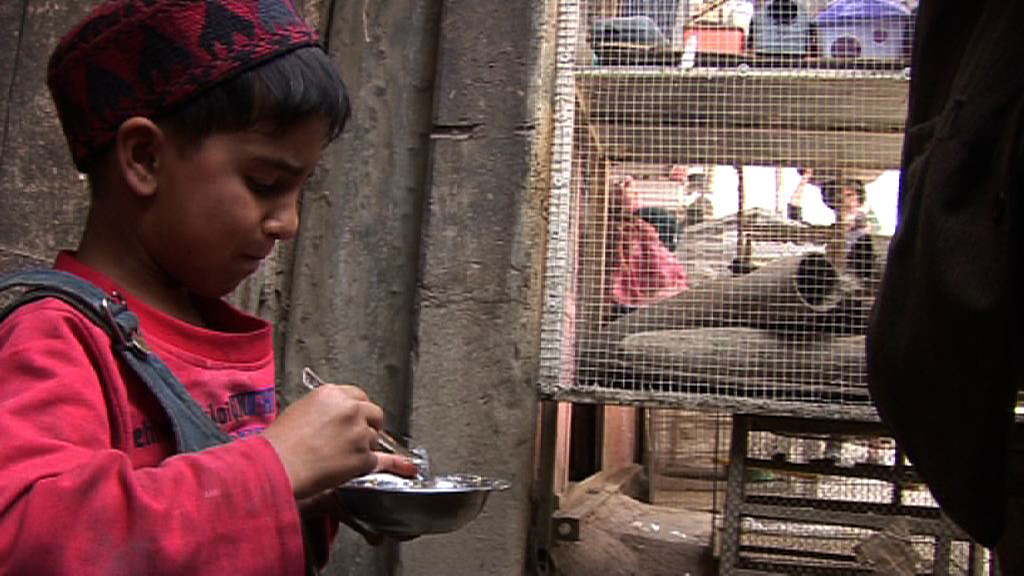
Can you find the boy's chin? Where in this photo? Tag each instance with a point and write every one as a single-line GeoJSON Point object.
{"type": "Point", "coordinates": [214, 292]}
{"type": "Point", "coordinates": [221, 285]}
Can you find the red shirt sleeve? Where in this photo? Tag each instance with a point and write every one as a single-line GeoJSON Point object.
{"type": "Point", "coordinates": [73, 502]}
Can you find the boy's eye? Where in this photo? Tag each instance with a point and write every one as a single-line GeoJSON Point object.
{"type": "Point", "coordinates": [262, 187]}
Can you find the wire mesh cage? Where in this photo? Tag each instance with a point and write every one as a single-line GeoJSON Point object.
{"type": "Point", "coordinates": [725, 176]}
{"type": "Point", "coordinates": [724, 188]}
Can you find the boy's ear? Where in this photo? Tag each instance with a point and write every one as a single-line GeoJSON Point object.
{"type": "Point", "coordinates": [138, 148]}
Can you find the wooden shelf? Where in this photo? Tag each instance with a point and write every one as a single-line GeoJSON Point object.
{"type": "Point", "coordinates": [799, 117]}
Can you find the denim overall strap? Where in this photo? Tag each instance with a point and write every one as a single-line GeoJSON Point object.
{"type": "Point", "coordinates": [193, 428]}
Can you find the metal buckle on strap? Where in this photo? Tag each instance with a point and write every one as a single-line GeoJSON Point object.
{"type": "Point", "coordinates": [131, 340]}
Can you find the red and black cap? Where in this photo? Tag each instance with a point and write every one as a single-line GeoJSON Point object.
{"type": "Point", "coordinates": [146, 57]}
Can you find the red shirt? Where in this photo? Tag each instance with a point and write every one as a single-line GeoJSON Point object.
{"type": "Point", "coordinates": [89, 482]}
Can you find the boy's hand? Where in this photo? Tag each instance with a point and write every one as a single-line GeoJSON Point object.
{"type": "Point", "coordinates": [328, 437]}
{"type": "Point", "coordinates": [395, 464]}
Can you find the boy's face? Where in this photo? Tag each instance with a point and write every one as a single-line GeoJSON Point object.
{"type": "Point", "coordinates": [220, 208]}
{"type": "Point", "coordinates": [851, 201]}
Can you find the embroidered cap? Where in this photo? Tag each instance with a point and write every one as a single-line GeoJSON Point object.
{"type": "Point", "coordinates": [146, 57]}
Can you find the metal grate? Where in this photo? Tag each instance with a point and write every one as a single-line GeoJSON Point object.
{"type": "Point", "coordinates": [725, 179]}
{"type": "Point", "coordinates": [810, 496]}
{"type": "Point", "coordinates": [802, 496]}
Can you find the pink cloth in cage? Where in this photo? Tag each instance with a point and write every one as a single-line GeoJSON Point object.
{"type": "Point", "coordinates": [646, 271]}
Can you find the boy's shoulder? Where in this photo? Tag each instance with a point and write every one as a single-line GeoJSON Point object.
{"type": "Point", "coordinates": [44, 296]}
{"type": "Point", "coordinates": [47, 318]}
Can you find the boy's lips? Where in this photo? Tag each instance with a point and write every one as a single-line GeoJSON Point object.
{"type": "Point", "coordinates": [253, 261]}
{"type": "Point", "coordinates": [260, 254]}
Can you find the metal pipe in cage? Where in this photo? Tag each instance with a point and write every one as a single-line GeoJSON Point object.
{"type": "Point", "coordinates": [794, 294]}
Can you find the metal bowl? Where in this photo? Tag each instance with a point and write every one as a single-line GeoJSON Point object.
{"type": "Point", "coordinates": [403, 507]}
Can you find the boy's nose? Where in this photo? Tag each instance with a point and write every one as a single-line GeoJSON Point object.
{"type": "Point", "coordinates": [282, 222]}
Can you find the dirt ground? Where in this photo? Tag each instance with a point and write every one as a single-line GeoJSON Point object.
{"type": "Point", "coordinates": [625, 536]}
{"type": "Point", "coordinates": [671, 531]}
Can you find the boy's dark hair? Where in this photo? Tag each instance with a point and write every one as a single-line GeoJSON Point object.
{"type": "Point", "coordinates": [299, 85]}
{"type": "Point", "coordinates": [291, 88]}
{"type": "Point", "coordinates": [831, 191]}
{"type": "Point", "coordinates": [858, 186]}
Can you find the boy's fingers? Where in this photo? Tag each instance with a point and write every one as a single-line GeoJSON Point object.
{"type": "Point", "coordinates": [374, 413]}
{"type": "Point", "coordinates": [352, 391]}
{"type": "Point", "coordinates": [374, 416]}
{"type": "Point", "coordinates": [396, 465]}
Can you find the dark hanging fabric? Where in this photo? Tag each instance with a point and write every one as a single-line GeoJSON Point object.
{"type": "Point", "coordinates": [944, 341]}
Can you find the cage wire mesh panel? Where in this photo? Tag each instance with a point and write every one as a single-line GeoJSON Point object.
{"type": "Point", "coordinates": [808, 496]}
{"type": "Point", "coordinates": [686, 461]}
{"type": "Point", "coordinates": [814, 496]}
{"type": "Point", "coordinates": [724, 189]}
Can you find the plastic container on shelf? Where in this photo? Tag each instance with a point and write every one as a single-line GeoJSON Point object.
{"type": "Point", "coordinates": [864, 29]}
{"type": "Point", "coordinates": [781, 28]}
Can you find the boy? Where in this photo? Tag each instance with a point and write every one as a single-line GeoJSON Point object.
{"type": "Point", "coordinates": [197, 124]}
{"type": "Point", "coordinates": [855, 221]}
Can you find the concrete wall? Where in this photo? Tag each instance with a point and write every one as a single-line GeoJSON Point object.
{"type": "Point", "coordinates": [417, 273]}
{"type": "Point", "coordinates": [42, 199]}
{"type": "Point", "coordinates": [473, 392]}
{"type": "Point", "coordinates": [352, 305]}
{"type": "Point", "coordinates": [425, 285]}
